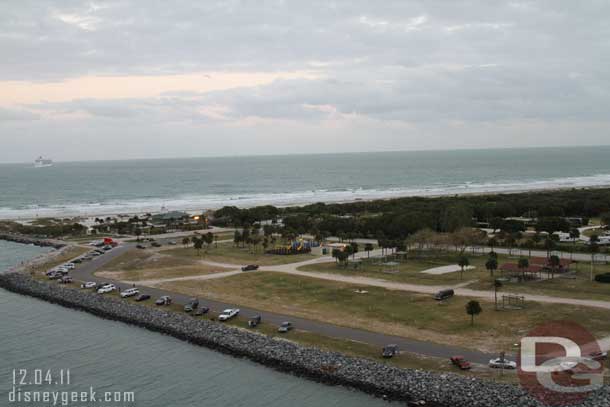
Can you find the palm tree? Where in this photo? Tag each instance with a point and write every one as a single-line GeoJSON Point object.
{"type": "Point", "coordinates": [497, 286]}
{"type": "Point", "coordinates": [529, 245]}
{"type": "Point", "coordinates": [510, 242]}
{"type": "Point", "coordinates": [245, 236]}
{"type": "Point", "coordinates": [367, 248]}
{"type": "Point", "coordinates": [186, 241]}
{"type": "Point", "coordinates": [463, 262]}
{"type": "Point", "coordinates": [473, 308]}
{"type": "Point", "coordinates": [335, 254]}
{"type": "Point", "coordinates": [493, 242]}
{"type": "Point", "coordinates": [523, 265]}
{"type": "Point", "coordinates": [554, 263]}
{"type": "Point", "coordinates": [549, 245]}
{"type": "Point", "coordinates": [593, 248]}
{"type": "Point", "coordinates": [491, 265]}
{"type": "Point", "coordinates": [574, 234]}
{"type": "Point", "coordinates": [209, 239]}
{"type": "Point", "coordinates": [354, 246]}
{"type": "Point", "coordinates": [198, 244]}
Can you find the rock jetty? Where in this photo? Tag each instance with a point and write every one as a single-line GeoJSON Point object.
{"type": "Point", "coordinates": [409, 386]}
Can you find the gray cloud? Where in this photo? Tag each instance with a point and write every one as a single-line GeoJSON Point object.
{"type": "Point", "coordinates": [7, 115]}
{"type": "Point", "coordinates": [424, 64]}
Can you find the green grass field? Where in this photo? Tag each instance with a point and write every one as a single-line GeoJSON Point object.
{"type": "Point", "coordinates": [393, 312]}
{"type": "Point", "coordinates": [68, 254]}
{"type": "Point", "coordinates": [348, 347]}
{"type": "Point", "coordinates": [410, 270]}
{"type": "Point", "coordinates": [228, 253]}
{"type": "Point", "coordinates": [136, 265]}
{"type": "Point", "coordinates": [578, 285]}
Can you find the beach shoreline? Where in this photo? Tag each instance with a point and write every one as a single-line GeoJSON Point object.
{"type": "Point", "coordinates": [199, 209]}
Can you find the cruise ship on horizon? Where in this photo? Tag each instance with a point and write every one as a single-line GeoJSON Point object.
{"type": "Point", "coordinates": [41, 162]}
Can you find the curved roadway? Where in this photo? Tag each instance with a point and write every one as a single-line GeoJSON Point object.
{"type": "Point", "coordinates": [85, 272]}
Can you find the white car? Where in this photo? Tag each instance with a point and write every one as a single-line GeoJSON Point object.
{"type": "Point", "coordinates": [228, 314]}
{"type": "Point", "coordinates": [88, 284]}
{"type": "Point", "coordinates": [61, 269]}
{"type": "Point", "coordinates": [69, 266]}
{"type": "Point", "coordinates": [500, 363]}
{"type": "Point", "coordinates": [130, 292]}
{"type": "Point", "coordinates": [106, 289]}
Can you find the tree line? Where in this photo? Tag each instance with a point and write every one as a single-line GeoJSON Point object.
{"type": "Point", "coordinates": [397, 219]}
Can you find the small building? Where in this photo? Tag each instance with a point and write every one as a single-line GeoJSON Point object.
{"type": "Point", "coordinates": [171, 218]}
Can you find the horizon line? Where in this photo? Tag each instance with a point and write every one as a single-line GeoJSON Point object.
{"type": "Point", "coordinates": [321, 153]}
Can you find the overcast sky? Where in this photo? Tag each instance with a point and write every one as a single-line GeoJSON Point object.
{"type": "Point", "coordinates": [124, 79]}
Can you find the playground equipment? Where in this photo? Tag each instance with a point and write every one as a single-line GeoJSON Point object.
{"type": "Point", "coordinates": [511, 301]}
{"type": "Point", "coordinates": [391, 267]}
{"type": "Point", "coordinates": [295, 247]}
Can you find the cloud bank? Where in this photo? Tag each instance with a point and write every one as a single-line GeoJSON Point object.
{"type": "Point", "coordinates": [251, 77]}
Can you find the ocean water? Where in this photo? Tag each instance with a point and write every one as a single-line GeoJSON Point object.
{"type": "Point", "coordinates": [114, 357]}
{"type": "Point", "coordinates": [111, 187]}
{"type": "Point", "coordinates": [12, 254]}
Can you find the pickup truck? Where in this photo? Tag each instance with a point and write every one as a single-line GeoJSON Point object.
{"type": "Point", "coordinates": [130, 292]}
{"type": "Point", "coordinates": [228, 314]}
{"type": "Point", "coordinates": [106, 289]}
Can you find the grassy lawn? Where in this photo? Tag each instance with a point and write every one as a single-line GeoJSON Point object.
{"type": "Point", "coordinates": [578, 286]}
{"type": "Point", "coordinates": [228, 253]}
{"type": "Point", "coordinates": [160, 273]}
{"type": "Point", "coordinates": [410, 270]}
{"type": "Point", "coordinates": [68, 254]}
{"type": "Point", "coordinates": [225, 235]}
{"type": "Point", "coordinates": [393, 312]}
{"type": "Point", "coordinates": [137, 259]}
{"type": "Point", "coordinates": [137, 265]}
{"type": "Point", "coordinates": [348, 347]}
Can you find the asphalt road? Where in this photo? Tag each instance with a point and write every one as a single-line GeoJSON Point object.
{"type": "Point", "coordinates": [85, 272]}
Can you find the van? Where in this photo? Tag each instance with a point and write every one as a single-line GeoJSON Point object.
{"type": "Point", "coordinates": [444, 294]}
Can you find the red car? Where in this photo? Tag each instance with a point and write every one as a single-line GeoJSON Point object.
{"type": "Point", "coordinates": [460, 362]}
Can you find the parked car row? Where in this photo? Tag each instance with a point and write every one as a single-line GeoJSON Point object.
{"type": "Point", "coordinates": [192, 306]}
{"type": "Point", "coordinates": [497, 363]}
{"type": "Point", "coordinates": [93, 254]}
{"type": "Point", "coordinates": [104, 288]}
{"type": "Point", "coordinates": [60, 272]}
